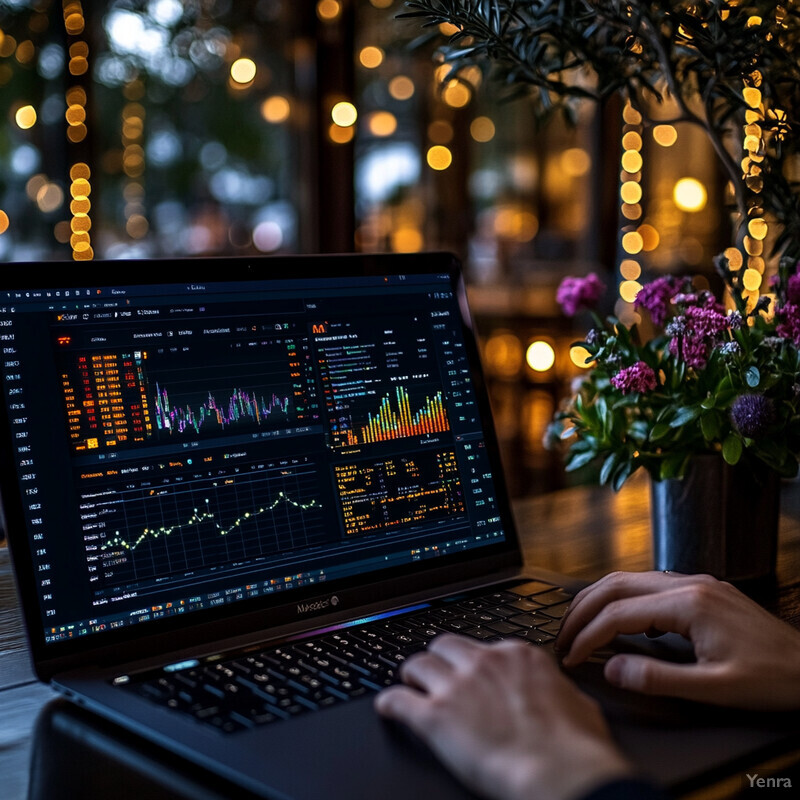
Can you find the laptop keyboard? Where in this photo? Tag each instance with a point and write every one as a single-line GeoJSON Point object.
{"type": "Point", "coordinates": [260, 687]}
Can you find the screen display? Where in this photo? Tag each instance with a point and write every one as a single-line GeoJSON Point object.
{"type": "Point", "coordinates": [187, 446]}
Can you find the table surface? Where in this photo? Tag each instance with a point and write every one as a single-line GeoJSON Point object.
{"type": "Point", "coordinates": [584, 532]}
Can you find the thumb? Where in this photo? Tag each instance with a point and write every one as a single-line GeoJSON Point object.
{"type": "Point", "coordinates": [651, 676]}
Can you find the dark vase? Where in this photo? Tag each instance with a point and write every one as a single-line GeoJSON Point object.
{"type": "Point", "coordinates": [717, 519]}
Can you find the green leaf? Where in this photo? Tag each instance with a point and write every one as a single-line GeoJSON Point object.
{"type": "Point", "coordinates": [685, 414]}
{"type": "Point", "coordinates": [579, 460]}
{"type": "Point", "coordinates": [753, 377]}
{"type": "Point", "coordinates": [660, 429]}
{"type": "Point", "coordinates": [608, 466]}
{"type": "Point", "coordinates": [671, 466]}
{"type": "Point", "coordinates": [732, 449]}
{"type": "Point", "coordinates": [709, 425]}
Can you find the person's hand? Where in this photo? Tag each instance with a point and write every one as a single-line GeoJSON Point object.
{"type": "Point", "coordinates": [504, 719]}
{"type": "Point", "coordinates": [746, 658]}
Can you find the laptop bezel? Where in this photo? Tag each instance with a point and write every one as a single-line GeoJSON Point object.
{"type": "Point", "coordinates": [260, 614]}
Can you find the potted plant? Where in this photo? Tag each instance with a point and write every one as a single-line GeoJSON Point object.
{"type": "Point", "coordinates": [709, 407]}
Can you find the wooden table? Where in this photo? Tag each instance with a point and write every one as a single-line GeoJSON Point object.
{"type": "Point", "coordinates": [584, 532]}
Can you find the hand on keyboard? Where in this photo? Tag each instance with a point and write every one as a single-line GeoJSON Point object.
{"type": "Point", "coordinates": [504, 719]}
{"type": "Point", "coordinates": [746, 658]}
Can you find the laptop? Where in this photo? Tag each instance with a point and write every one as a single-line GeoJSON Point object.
{"type": "Point", "coordinates": [236, 504]}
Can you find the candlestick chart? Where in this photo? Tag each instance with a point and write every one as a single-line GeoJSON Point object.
{"type": "Point", "coordinates": [123, 399]}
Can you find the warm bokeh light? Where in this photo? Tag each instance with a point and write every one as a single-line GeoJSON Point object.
{"type": "Point", "coordinates": [448, 29]}
{"type": "Point", "coordinates": [503, 353]}
{"type": "Point", "coordinates": [243, 70]}
{"type": "Point", "coordinates": [3, 222]}
{"type": "Point", "coordinates": [632, 242]}
{"type": "Point", "coordinates": [80, 205]}
{"type": "Point", "coordinates": [631, 161]}
{"type": "Point", "coordinates": [440, 131]}
{"type": "Point", "coordinates": [630, 269]}
{"type": "Point", "coordinates": [757, 228]}
{"type": "Point", "coordinates": [575, 162]}
{"type": "Point", "coordinates": [401, 87]}
{"type": "Point", "coordinates": [370, 57]}
{"type": "Point", "coordinates": [735, 258]}
{"type": "Point", "coordinates": [381, 3]}
{"type": "Point", "coordinates": [631, 115]}
{"type": "Point", "coordinates": [382, 123]}
{"type": "Point", "coordinates": [344, 114]}
{"type": "Point", "coordinates": [328, 10]}
{"type": "Point", "coordinates": [632, 211]}
{"type": "Point", "coordinates": [407, 240]}
{"type": "Point", "coordinates": [25, 117]}
{"type": "Point", "coordinates": [276, 109]}
{"type": "Point", "coordinates": [512, 222]}
{"type": "Point", "coordinates": [630, 192]}
{"type": "Point", "coordinates": [80, 188]}
{"type": "Point", "coordinates": [751, 279]}
{"type": "Point", "coordinates": [456, 94]}
{"type": "Point", "coordinates": [665, 135]}
{"type": "Point", "coordinates": [75, 115]}
{"type": "Point", "coordinates": [341, 135]}
{"type": "Point", "coordinates": [540, 356]}
{"type": "Point", "coordinates": [629, 289]}
{"type": "Point", "coordinates": [752, 246]}
{"type": "Point", "coordinates": [752, 96]}
{"type": "Point", "coordinates": [632, 141]}
{"type": "Point", "coordinates": [49, 198]}
{"type": "Point", "coordinates": [439, 157]}
{"type": "Point", "coordinates": [690, 195]}
{"type": "Point", "coordinates": [482, 129]}
{"type": "Point", "coordinates": [578, 355]}
{"type": "Point", "coordinates": [650, 237]}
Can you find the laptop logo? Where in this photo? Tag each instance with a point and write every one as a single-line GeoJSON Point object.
{"type": "Point", "coordinates": [317, 605]}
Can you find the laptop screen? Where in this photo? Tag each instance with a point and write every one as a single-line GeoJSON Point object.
{"type": "Point", "coordinates": [181, 446]}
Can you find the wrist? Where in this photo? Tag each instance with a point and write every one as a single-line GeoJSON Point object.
{"type": "Point", "coordinates": [543, 778]}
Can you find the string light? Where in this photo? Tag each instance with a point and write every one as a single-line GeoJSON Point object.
{"type": "Point", "coordinates": [632, 240]}
{"type": "Point", "coordinates": [78, 233]}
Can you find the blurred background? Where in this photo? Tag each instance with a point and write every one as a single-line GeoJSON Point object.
{"type": "Point", "coordinates": [199, 128]}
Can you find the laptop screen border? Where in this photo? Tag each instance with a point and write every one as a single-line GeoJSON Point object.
{"type": "Point", "coordinates": [250, 615]}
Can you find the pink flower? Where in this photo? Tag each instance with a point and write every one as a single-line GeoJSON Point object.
{"type": "Point", "coordinates": [789, 322]}
{"type": "Point", "coordinates": [793, 290]}
{"type": "Point", "coordinates": [576, 293]}
{"type": "Point", "coordinates": [693, 334]}
{"type": "Point", "coordinates": [656, 296]}
{"type": "Point", "coordinates": [637, 378]}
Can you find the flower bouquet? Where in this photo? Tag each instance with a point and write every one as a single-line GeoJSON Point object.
{"type": "Point", "coordinates": [712, 381]}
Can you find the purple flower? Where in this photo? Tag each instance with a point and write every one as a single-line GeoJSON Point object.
{"type": "Point", "coordinates": [789, 322]}
{"type": "Point", "coordinates": [656, 296]}
{"type": "Point", "coordinates": [637, 378]}
{"type": "Point", "coordinates": [793, 290]}
{"type": "Point", "coordinates": [735, 320]}
{"type": "Point", "coordinates": [752, 414]}
{"type": "Point", "coordinates": [702, 330]}
{"type": "Point", "coordinates": [576, 293]}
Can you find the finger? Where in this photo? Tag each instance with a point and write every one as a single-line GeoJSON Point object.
{"type": "Point", "coordinates": [650, 676]}
{"type": "Point", "coordinates": [456, 650]}
{"type": "Point", "coordinates": [664, 611]}
{"type": "Point", "coordinates": [402, 704]}
{"type": "Point", "coordinates": [590, 601]}
{"type": "Point", "coordinates": [427, 671]}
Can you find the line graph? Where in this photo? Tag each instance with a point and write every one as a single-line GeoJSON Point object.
{"type": "Point", "coordinates": [204, 523]}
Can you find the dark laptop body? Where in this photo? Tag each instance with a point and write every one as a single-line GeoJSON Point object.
{"type": "Point", "coordinates": [197, 466]}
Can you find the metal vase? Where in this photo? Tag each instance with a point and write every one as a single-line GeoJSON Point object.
{"type": "Point", "coordinates": [717, 519]}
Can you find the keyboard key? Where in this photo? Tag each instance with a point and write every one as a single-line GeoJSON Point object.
{"type": "Point", "coordinates": [530, 620]}
{"type": "Point", "coordinates": [532, 587]}
{"type": "Point", "coordinates": [535, 636]}
{"type": "Point", "coordinates": [554, 597]}
{"type": "Point", "coordinates": [526, 604]}
{"type": "Point", "coordinates": [480, 633]}
{"type": "Point", "coordinates": [503, 627]}
{"type": "Point", "coordinates": [557, 611]}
